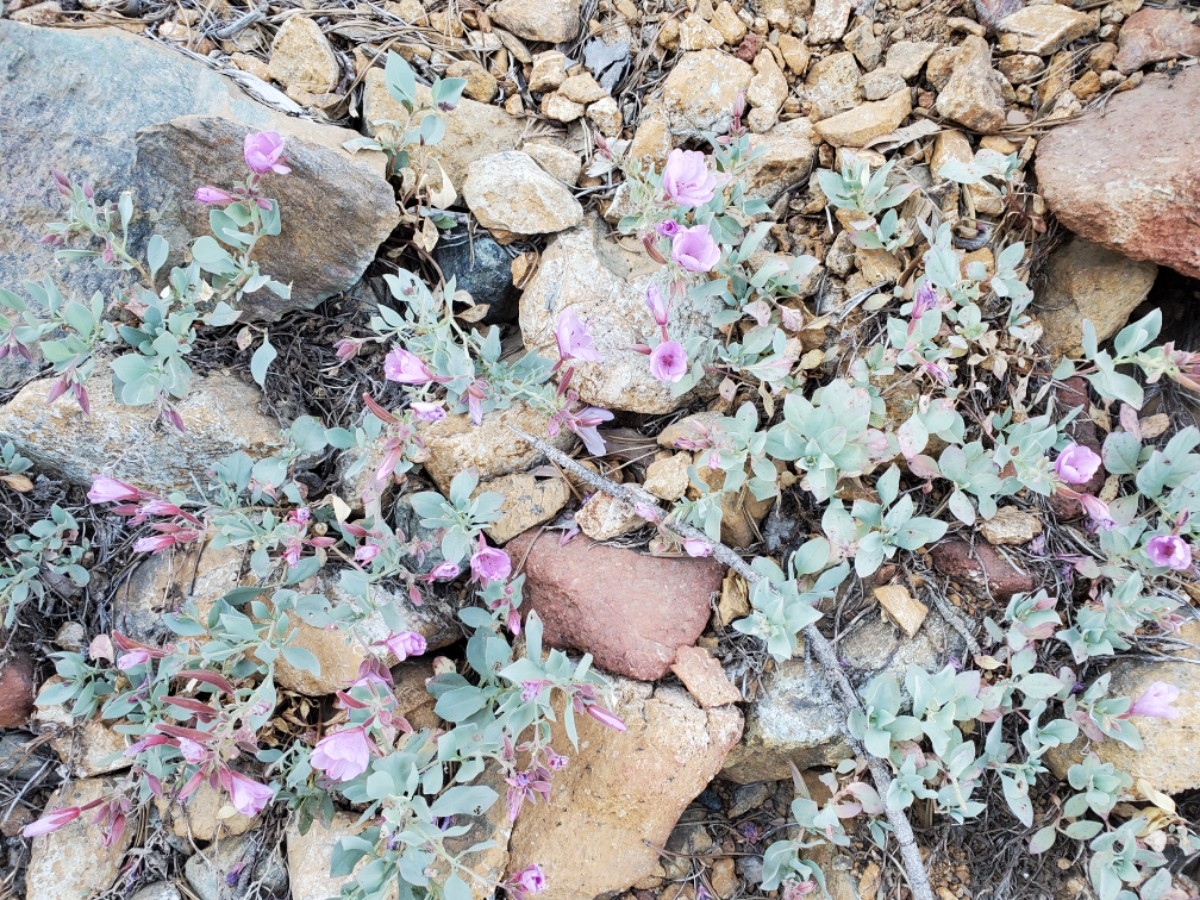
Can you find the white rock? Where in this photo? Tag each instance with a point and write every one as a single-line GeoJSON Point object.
{"type": "Point", "coordinates": [699, 93]}
{"type": "Point", "coordinates": [73, 861]}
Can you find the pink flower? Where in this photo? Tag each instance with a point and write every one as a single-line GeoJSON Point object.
{"type": "Point", "coordinates": [405, 644]}
{"type": "Point", "coordinates": [446, 571]}
{"type": "Point", "coordinates": [263, 151]}
{"type": "Point", "coordinates": [925, 300]}
{"type": "Point", "coordinates": [1077, 464]}
{"type": "Point", "coordinates": [667, 229]}
{"type": "Point", "coordinates": [406, 368]}
{"type": "Point", "coordinates": [659, 308]}
{"type": "Point", "coordinates": [583, 422]}
{"type": "Point", "coordinates": [1169, 550]}
{"type": "Point", "coordinates": [210, 195]}
{"type": "Point", "coordinates": [347, 348]}
{"type": "Point", "coordinates": [344, 754]}
{"type": "Point", "coordinates": [367, 552]}
{"type": "Point", "coordinates": [109, 490]}
{"type": "Point", "coordinates": [489, 564]}
{"type": "Point", "coordinates": [51, 821]}
{"type": "Point", "coordinates": [668, 362]}
{"type": "Point", "coordinates": [573, 339]}
{"type": "Point", "coordinates": [686, 178]}
{"type": "Point", "coordinates": [247, 795]}
{"type": "Point", "coordinates": [193, 752]}
{"type": "Point", "coordinates": [428, 411]}
{"type": "Point", "coordinates": [695, 547]}
{"type": "Point", "coordinates": [556, 761]}
{"type": "Point", "coordinates": [154, 544]}
{"type": "Point", "coordinates": [605, 717]}
{"type": "Point", "coordinates": [133, 658]}
{"type": "Point", "coordinates": [530, 880]}
{"type": "Point", "coordinates": [1155, 702]}
{"type": "Point", "coordinates": [695, 250]}
{"type": "Point", "coordinates": [531, 690]}
{"type": "Point", "coordinates": [1097, 510]}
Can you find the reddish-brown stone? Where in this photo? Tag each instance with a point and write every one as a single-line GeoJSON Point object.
{"type": "Point", "coordinates": [16, 691]}
{"type": "Point", "coordinates": [982, 568]}
{"type": "Point", "coordinates": [631, 611]}
{"type": "Point", "coordinates": [1155, 35]}
{"type": "Point", "coordinates": [1129, 178]}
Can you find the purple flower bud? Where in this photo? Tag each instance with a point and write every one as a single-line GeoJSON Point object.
{"type": "Point", "coordinates": [1077, 464]}
{"type": "Point", "coordinates": [210, 195]}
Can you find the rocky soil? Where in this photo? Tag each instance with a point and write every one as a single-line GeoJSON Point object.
{"type": "Point", "coordinates": [1099, 105]}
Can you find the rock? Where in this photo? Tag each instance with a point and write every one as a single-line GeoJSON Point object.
{"type": "Point", "coordinates": [479, 266]}
{"type": "Point", "coordinates": [557, 107]}
{"type": "Point", "coordinates": [42, 14]}
{"type": "Point", "coordinates": [128, 442]}
{"type": "Point", "coordinates": [563, 164]}
{"type": "Point", "coordinates": [723, 878]}
{"type": "Point", "coordinates": [1168, 760]}
{"type": "Point", "coordinates": [160, 890]}
{"type": "Point", "coordinates": [768, 89]}
{"type": "Point", "coordinates": [981, 569]}
{"type": "Point", "coordinates": [831, 86]}
{"type": "Point", "coordinates": [606, 56]}
{"type": "Point", "coordinates": [611, 602]}
{"type": "Point", "coordinates": [88, 746]}
{"type": "Point", "coordinates": [795, 720]}
{"type": "Point", "coordinates": [696, 34]}
{"type": "Point", "coordinates": [234, 865]}
{"type": "Point", "coordinates": [74, 861]}
{"type": "Point", "coordinates": [689, 431]}
{"type": "Point", "coordinates": [699, 93]}
{"type": "Point", "coordinates": [1154, 35]}
{"type": "Point", "coordinates": [492, 825]}
{"type": "Point", "coordinates": [606, 116]}
{"type": "Point", "coordinates": [510, 194]}
{"type": "Point", "coordinates": [1086, 281]}
{"type": "Point", "coordinates": [481, 85]}
{"type": "Point", "coordinates": [473, 130]}
{"type": "Point", "coordinates": [880, 84]}
{"type": "Point", "coordinates": [605, 285]}
{"type": "Point", "coordinates": [787, 158]}
{"type": "Point", "coordinates": [20, 758]}
{"type": "Point", "coordinates": [528, 501]}
{"type": "Point", "coordinates": [667, 478]}
{"type": "Point", "coordinates": [902, 608]}
{"type": "Point", "coordinates": [337, 209]}
{"type": "Point", "coordinates": [795, 53]}
{"type": "Point", "coordinates": [1043, 29]}
{"type": "Point", "coordinates": [1056, 79]}
{"type": "Point", "coordinates": [204, 815]}
{"type": "Point", "coordinates": [603, 518]}
{"type": "Point", "coordinates": [972, 96]}
{"type": "Point", "coordinates": [302, 58]}
{"type": "Point", "coordinates": [1021, 68]}
{"type": "Point", "coordinates": [74, 100]}
{"type": "Point", "coordinates": [741, 514]}
{"type": "Point", "coordinates": [868, 121]}
{"type": "Point", "coordinates": [1011, 526]}
{"type": "Point", "coordinates": [16, 690]}
{"type": "Point", "coordinates": [548, 72]}
{"type": "Point", "coordinates": [310, 856]}
{"type": "Point", "coordinates": [620, 797]}
{"type": "Point", "coordinates": [703, 677]}
{"type": "Point", "coordinates": [652, 141]}
{"type": "Point", "coordinates": [553, 21]}
{"type": "Point", "coordinates": [455, 445]}
{"type": "Point", "coordinates": [1101, 56]}
{"type": "Point", "coordinates": [582, 88]}
{"type": "Point", "coordinates": [748, 797]}
{"type": "Point", "coordinates": [726, 21]}
{"type": "Point", "coordinates": [877, 266]}
{"type": "Point", "coordinates": [907, 58]}
{"type": "Point", "coordinates": [865, 46]}
{"type": "Point", "coordinates": [829, 20]}
{"type": "Point", "coordinates": [1127, 180]}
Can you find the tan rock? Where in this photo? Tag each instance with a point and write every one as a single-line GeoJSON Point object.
{"type": "Point", "coordinates": [557, 107]}
{"type": "Point", "coordinates": [621, 796]}
{"type": "Point", "coordinates": [881, 84]}
{"type": "Point", "coordinates": [548, 72]}
{"type": "Point", "coordinates": [829, 20]}
{"type": "Point", "coordinates": [310, 857]}
{"type": "Point", "coordinates": [1086, 281]}
{"type": "Point", "coordinates": [907, 58]}
{"type": "Point", "coordinates": [510, 193]}
{"type": "Point", "coordinates": [528, 501]}
{"type": "Point", "coordinates": [603, 518]}
{"type": "Point", "coordinates": [1011, 526]}
{"type": "Point", "coordinates": [768, 89]}
{"type": "Point", "coordinates": [481, 85]}
{"type": "Point", "coordinates": [563, 164]}
{"type": "Point", "coordinates": [606, 116]}
{"type": "Point", "coordinates": [454, 444]}
{"type": "Point", "coordinates": [1086, 87]}
{"type": "Point", "coordinates": [667, 478]}
{"type": "Point", "coordinates": [787, 157]}
{"type": "Point", "coordinates": [699, 93]}
{"type": "Point", "coordinates": [902, 607]}
{"type": "Point", "coordinates": [1101, 56]}
{"type": "Point", "coordinates": [866, 47]}
{"type": "Point", "coordinates": [831, 86]}
{"type": "Point", "coordinates": [795, 53]}
{"type": "Point", "coordinates": [878, 266]}
{"type": "Point", "coordinates": [696, 34]}
{"type": "Point", "coordinates": [205, 815]}
{"type": "Point", "coordinates": [950, 146]}
{"type": "Point", "coordinates": [552, 21]}
{"type": "Point", "coordinates": [128, 443]}
{"type": "Point", "coordinates": [972, 95]}
{"type": "Point", "coordinates": [1021, 68]}
{"type": "Point", "coordinates": [704, 678]}
{"type": "Point", "coordinates": [73, 861]}
{"type": "Point", "coordinates": [1056, 79]}
{"type": "Point", "coordinates": [652, 140]}
{"type": "Point", "coordinates": [857, 127]}
{"type": "Point", "coordinates": [89, 747]}
{"type": "Point", "coordinates": [582, 88]}
{"type": "Point", "coordinates": [40, 14]}
{"type": "Point", "coordinates": [740, 512]}
{"type": "Point", "coordinates": [251, 64]}
{"type": "Point", "coordinates": [1044, 29]}
{"type": "Point", "coordinates": [726, 21]}
{"type": "Point", "coordinates": [302, 58]}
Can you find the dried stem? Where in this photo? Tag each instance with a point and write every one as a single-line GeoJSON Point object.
{"type": "Point", "coordinates": [831, 670]}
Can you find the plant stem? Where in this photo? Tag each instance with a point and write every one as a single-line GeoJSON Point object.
{"type": "Point", "coordinates": [831, 670]}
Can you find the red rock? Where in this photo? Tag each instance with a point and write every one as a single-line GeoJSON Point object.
{"type": "Point", "coordinates": [704, 678]}
{"type": "Point", "coordinates": [981, 567]}
{"type": "Point", "coordinates": [631, 611]}
{"type": "Point", "coordinates": [1129, 178]}
{"type": "Point", "coordinates": [16, 691]}
{"type": "Point", "coordinates": [1155, 35]}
